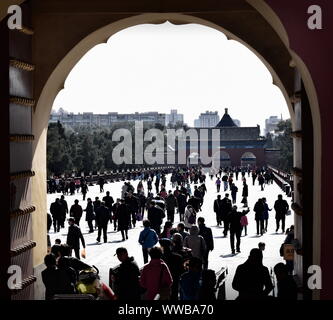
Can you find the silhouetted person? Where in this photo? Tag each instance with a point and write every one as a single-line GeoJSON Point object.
{"type": "Point", "coordinates": [252, 279]}
{"type": "Point", "coordinates": [124, 219]}
{"type": "Point", "coordinates": [190, 280]}
{"type": "Point", "coordinates": [74, 237]}
{"type": "Point", "coordinates": [259, 209]}
{"type": "Point", "coordinates": [286, 285]}
{"type": "Point", "coordinates": [207, 291]}
{"type": "Point", "coordinates": [207, 234]}
{"type": "Point", "coordinates": [226, 207]}
{"type": "Point", "coordinates": [76, 212]}
{"type": "Point", "coordinates": [90, 215]}
{"type": "Point", "coordinates": [281, 207]}
{"type": "Point", "coordinates": [155, 216]}
{"type": "Point", "coordinates": [102, 220]}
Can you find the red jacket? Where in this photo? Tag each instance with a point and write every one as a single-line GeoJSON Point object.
{"type": "Point", "coordinates": [155, 275]}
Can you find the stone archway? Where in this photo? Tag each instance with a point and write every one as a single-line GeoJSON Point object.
{"type": "Point", "coordinates": [56, 80]}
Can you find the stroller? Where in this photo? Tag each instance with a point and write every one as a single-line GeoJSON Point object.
{"type": "Point", "coordinates": [89, 283]}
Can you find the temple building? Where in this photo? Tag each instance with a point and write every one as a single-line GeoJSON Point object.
{"type": "Point", "coordinates": [237, 146]}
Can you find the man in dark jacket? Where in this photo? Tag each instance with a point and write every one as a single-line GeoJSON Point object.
{"type": "Point", "coordinates": [182, 203]}
{"type": "Point", "coordinates": [56, 212]}
{"type": "Point", "coordinates": [76, 212]}
{"type": "Point", "coordinates": [281, 207]}
{"type": "Point", "coordinates": [73, 238]}
{"type": "Point", "coordinates": [64, 210]}
{"type": "Point", "coordinates": [124, 218]}
{"type": "Point", "coordinates": [259, 209]}
{"type": "Point", "coordinates": [155, 216]}
{"type": "Point", "coordinates": [234, 218]}
{"type": "Point", "coordinates": [217, 210]}
{"type": "Point", "coordinates": [207, 234]}
{"type": "Point", "coordinates": [108, 200]}
{"type": "Point", "coordinates": [252, 279]}
{"type": "Point", "coordinates": [102, 220]}
{"type": "Point", "coordinates": [176, 266]}
{"type": "Point", "coordinates": [133, 205]}
{"type": "Point", "coordinates": [126, 277]}
{"type": "Point", "coordinates": [226, 207]}
{"type": "Point", "coordinates": [170, 204]}
{"type": "Point", "coordinates": [286, 285]}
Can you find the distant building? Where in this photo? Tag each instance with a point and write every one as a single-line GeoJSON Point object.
{"type": "Point", "coordinates": [271, 124]}
{"type": "Point", "coordinates": [196, 123]}
{"type": "Point", "coordinates": [173, 118]}
{"type": "Point", "coordinates": [236, 122]}
{"type": "Point", "coordinates": [104, 120]}
{"type": "Point", "coordinates": [237, 146]}
{"type": "Point", "coordinates": [208, 119]}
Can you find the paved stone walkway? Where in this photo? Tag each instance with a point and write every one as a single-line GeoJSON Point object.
{"type": "Point", "coordinates": [102, 254]}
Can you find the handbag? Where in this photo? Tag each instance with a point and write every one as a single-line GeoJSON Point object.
{"type": "Point", "coordinates": [288, 213]}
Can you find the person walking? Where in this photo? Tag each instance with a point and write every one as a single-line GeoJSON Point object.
{"type": "Point", "coordinates": [170, 204]}
{"type": "Point", "coordinates": [234, 191]}
{"type": "Point", "coordinates": [281, 207]}
{"type": "Point", "coordinates": [56, 212]}
{"type": "Point", "coordinates": [76, 212]}
{"type": "Point", "coordinates": [182, 203]}
{"type": "Point", "coordinates": [196, 243]}
{"type": "Point", "coordinates": [259, 216]}
{"type": "Point", "coordinates": [245, 194]}
{"type": "Point", "coordinates": [218, 210]}
{"type": "Point", "coordinates": [252, 279]}
{"type": "Point", "coordinates": [64, 211]}
{"type": "Point", "coordinates": [174, 261]}
{"type": "Point", "coordinates": [156, 277]}
{"type": "Point", "coordinates": [126, 277]}
{"type": "Point", "coordinates": [207, 234]}
{"type": "Point", "coordinates": [235, 226]}
{"type": "Point", "coordinates": [218, 185]}
{"type": "Point", "coordinates": [190, 281]}
{"type": "Point", "coordinates": [226, 208]}
{"type": "Point", "coordinates": [190, 217]}
{"type": "Point", "coordinates": [124, 219]}
{"type": "Point", "coordinates": [225, 180]}
{"type": "Point", "coordinates": [84, 190]}
{"type": "Point", "coordinates": [102, 220]}
{"type": "Point", "coordinates": [74, 237]}
{"type": "Point", "coordinates": [266, 213]}
{"type": "Point", "coordinates": [244, 222]}
{"type": "Point", "coordinates": [90, 215]}
{"type": "Point", "coordinates": [155, 216]}
{"type": "Point", "coordinates": [108, 200]}
{"type": "Point", "coordinates": [147, 239]}
{"type": "Point", "coordinates": [261, 181]}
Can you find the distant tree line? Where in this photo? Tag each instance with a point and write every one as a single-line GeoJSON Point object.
{"type": "Point", "coordinates": [87, 149]}
{"type": "Point", "coordinates": [284, 142]}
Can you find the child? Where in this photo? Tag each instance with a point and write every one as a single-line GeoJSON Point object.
{"type": "Point", "coordinates": [244, 221]}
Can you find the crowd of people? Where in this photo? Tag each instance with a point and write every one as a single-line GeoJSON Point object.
{"type": "Point", "coordinates": [179, 253]}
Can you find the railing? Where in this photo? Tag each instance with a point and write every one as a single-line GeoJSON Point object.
{"type": "Point", "coordinates": [284, 180]}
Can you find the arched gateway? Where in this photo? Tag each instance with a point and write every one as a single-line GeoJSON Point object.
{"type": "Point", "coordinates": [31, 88]}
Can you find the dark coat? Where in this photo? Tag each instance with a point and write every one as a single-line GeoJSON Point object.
{"type": "Point", "coordinates": [155, 216]}
{"type": "Point", "coordinates": [102, 216]}
{"type": "Point", "coordinates": [250, 281]}
{"type": "Point", "coordinates": [281, 207]}
{"type": "Point", "coordinates": [226, 207]}
{"type": "Point", "coordinates": [170, 202]}
{"type": "Point", "coordinates": [76, 211]}
{"type": "Point", "coordinates": [74, 236]}
{"type": "Point", "coordinates": [90, 215]}
{"type": "Point", "coordinates": [108, 201]}
{"type": "Point", "coordinates": [245, 192]}
{"type": "Point", "coordinates": [259, 209]}
{"type": "Point", "coordinates": [207, 234]}
{"type": "Point", "coordinates": [56, 210]}
{"type": "Point", "coordinates": [124, 217]}
{"type": "Point", "coordinates": [127, 285]}
{"type": "Point", "coordinates": [234, 219]}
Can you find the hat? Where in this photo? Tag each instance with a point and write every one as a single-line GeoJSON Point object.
{"type": "Point", "coordinates": [120, 250]}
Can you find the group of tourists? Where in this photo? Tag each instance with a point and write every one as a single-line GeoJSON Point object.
{"type": "Point", "coordinates": [178, 252]}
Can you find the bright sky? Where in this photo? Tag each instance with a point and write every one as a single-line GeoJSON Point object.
{"type": "Point", "coordinates": [191, 68]}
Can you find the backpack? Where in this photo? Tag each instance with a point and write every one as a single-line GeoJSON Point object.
{"type": "Point", "coordinates": [191, 219]}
